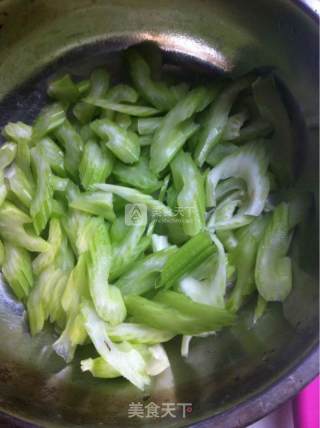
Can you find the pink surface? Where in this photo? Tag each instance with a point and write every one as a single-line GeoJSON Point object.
{"type": "Point", "coordinates": [306, 406]}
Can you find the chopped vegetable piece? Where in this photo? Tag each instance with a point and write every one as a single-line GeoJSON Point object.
{"type": "Point", "coordinates": [156, 93]}
{"type": "Point", "coordinates": [211, 291]}
{"type": "Point", "coordinates": [213, 129]}
{"type": "Point", "coordinates": [244, 258]}
{"type": "Point", "coordinates": [123, 143]}
{"type": "Point", "coordinates": [121, 357]}
{"type": "Point", "coordinates": [273, 273]}
{"type": "Point", "coordinates": [132, 110]}
{"type": "Point", "coordinates": [176, 313]}
{"type": "Point", "coordinates": [138, 175]}
{"type": "Point", "coordinates": [12, 222]}
{"type": "Point", "coordinates": [253, 131]}
{"type": "Point", "coordinates": [64, 89]}
{"type": "Point", "coordinates": [127, 247]}
{"type": "Point", "coordinates": [234, 124]}
{"type": "Point", "coordinates": [149, 125]}
{"type": "Point", "coordinates": [18, 132]}
{"type": "Point", "coordinates": [73, 146]}
{"type": "Point", "coordinates": [41, 206]}
{"type": "Point", "coordinates": [186, 258]}
{"type": "Point", "coordinates": [135, 197]}
{"type": "Point", "coordinates": [250, 163]}
{"type": "Point", "coordinates": [54, 155]}
{"type": "Point", "coordinates": [97, 203]}
{"type": "Point", "coordinates": [219, 152]}
{"type": "Point", "coordinates": [50, 118]}
{"type": "Point", "coordinates": [96, 164]}
{"type": "Point", "coordinates": [162, 154]}
{"type": "Point", "coordinates": [17, 270]}
{"type": "Point", "coordinates": [189, 184]}
{"type": "Point", "coordinates": [106, 298]}
{"type": "Point", "coordinates": [145, 273]}
{"type": "Point", "coordinates": [99, 84]}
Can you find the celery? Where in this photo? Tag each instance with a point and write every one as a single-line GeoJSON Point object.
{"type": "Point", "coordinates": [176, 313]}
{"type": "Point", "coordinates": [162, 154]}
{"type": "Point", "coordinates": [99, 367]}
{"type": "Point", "coordinates": [138, 333]}
{"type": "Point", "coordinates": [145, 273]}
{"type": "Point", "coordinates": [249, 163]}
{"type": "Point", "coordinates": [253, 131]}
{"type": "Point", "coordinates": [12, 222]}
{"type": "Point", "coordinates": [212, 289]}
{"type": "Point", "coordinates": [73, 146]}
{"type": "Point", "coordinates": [41, 206]}
{"type": "Point", "coordinates": [76, 289]}
{"type": "Point", "coordinates": [17, 270]}
{"type": "Point", "coordinates": [86, 133]}
{"type": "Point", "coordinates": [122, 93]}
{"type": "Point", "coordinates": [135, 197]}
{"type": "Point", "coordinates": [107, 298]}
{"type": "Point", "coordinates": [234, 124]}
{"type": "Point", "coordinates": [19, 185]}
{"type": "Point", "coordinates": [123, 143]}
{"type": "Point", "coordinates": [156, 93]}
{"type": "Point", "coordinates": [138, 175]}
{"type": "Point", "coordinates": [123, 120]}
{"type": "Point", "coordinates": [155, 358]}
{"type": "Point", "coordinates": [186, 258]}
{"type": "Point", "coordinates": [96, 164]}
{"type": "Point", "coordinates": [7, 154]}
{"type": "Point", "coordinates": [174, 130]}
{"type": "Point", "coordinates": [131, 110]}
{"type": "Point", "coordinates": [18, 132]}
{"type": "Point", "coordinates": [244, 258]}
{"type": "Point", "coordinates": [23, 159]}
{"type": "Point", "coordinates": [213, 129]}
{"type": "Point", "coordinates": [123, 358]}
{"type": "Point", "coordinates": [43, 260]}
{"type": "Point", "coordinates": [97, 203]}
{"type": "Point", "coordinates": [64, 89]}
{"type": "Point", "coordinates": [219, 152]}
{"type": "Point", "coordinates": [54, 155]}
{"type": "Point", "coordinates": [127, 248]}
{"type": "Point", "coordinates": [149, 125]}
{"type": "Point", "coordinates": [84, 86]}
{"type": "Point", "coordinates": [189, 184]}
{"type": "Point", "coordinates": [273, 273]}
{"type": "Point", "coordinates": [50, 118]}
{"type": "Point", "coordinates": [159, 242]}
{"type": "Point", "coordinates": [99, 84]}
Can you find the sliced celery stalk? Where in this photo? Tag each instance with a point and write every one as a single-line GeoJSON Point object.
{"type": "Point", "coordinates": [96, 203]}
{"type": "Point", "coordinates": [107, 298]}
{"type": "Point", "coordinates": [145, 273]}
{"type": "Point", "coordinates": [138, 175]}
{"type": "Point", "coordinates": [186, 258]}
{"type": "Point", "coordinates": [273, 273]}
{"type": "Point", "coordinates": [12, 222]}
{"type": "Point", "coordinates": [189, 184]}
{"type": "Point", "coordinates": [64, 89]}
{"type": "Point", "coordinates": [17, 270]}
{"type": "Point", "coordinates": [49, 119]}
{"type": "Point", "coordinates": [123, 143]}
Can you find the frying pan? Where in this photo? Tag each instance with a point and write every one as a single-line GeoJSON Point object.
{"type": "Point", "coordinates": [243, 373]}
